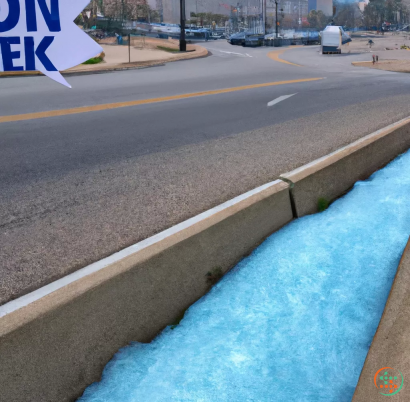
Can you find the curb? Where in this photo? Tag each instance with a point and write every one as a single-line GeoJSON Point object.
{"type": "Point", "coordinates": [68, 330]}
{"type": "Point", "coordinates": [80, 72]}
{"type": "Point", "coordinates": [360, 62]}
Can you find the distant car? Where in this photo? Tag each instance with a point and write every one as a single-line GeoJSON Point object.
{"type": "Point", "coordinates": [237, 39]}
{"type": "Point", "coordinates": [246, 39]}
{"type": "Point", "coordinates": [254, 40]}
{"type": "Point", "coordinates": [215, 35]}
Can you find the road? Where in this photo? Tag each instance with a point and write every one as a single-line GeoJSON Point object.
{"type": "Point", "coordinates": [80, 186]}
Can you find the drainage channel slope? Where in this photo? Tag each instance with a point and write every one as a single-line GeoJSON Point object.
{"type": "Point", "coordinates": [291, 322]}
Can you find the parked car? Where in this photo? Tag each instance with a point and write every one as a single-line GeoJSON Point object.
{"type": "Point", "coordinates": [237, 39]}
{"type": "Point", "coordinates": [246, 39]}
{"type": "Point", "coordinates": [254, 40]}
{"type": "Point", "coordinates": [216, 35]}
{"type": "Point", "coordinates": [198, 34]}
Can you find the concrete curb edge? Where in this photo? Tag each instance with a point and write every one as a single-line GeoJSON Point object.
{"type": "Point", "coordinates": [389, 346]}
{"type": "Point", "coordinates": [331, 176]}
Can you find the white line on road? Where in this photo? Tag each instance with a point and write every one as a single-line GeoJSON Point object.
{"type": "Point", "coordinates": [280, 99]}
{"type": "Point", "coordinates": [237, 54]}
{"type": "Point", "coordinates": [226, 52]}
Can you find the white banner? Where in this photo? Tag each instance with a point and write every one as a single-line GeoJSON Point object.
{"type": "Point", "coordinates": [41, 35]}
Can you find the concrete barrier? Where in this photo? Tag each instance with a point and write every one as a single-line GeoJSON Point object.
{"type": "Point", "coordinates": [390, 346]}
{"type": "Point", "coordinates": [56, 341]}
{"type": "Point", "coordinates": [331, 176]}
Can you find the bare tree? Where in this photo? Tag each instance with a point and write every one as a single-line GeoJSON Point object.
{"type": "Point", "coordinates": [126, 9]}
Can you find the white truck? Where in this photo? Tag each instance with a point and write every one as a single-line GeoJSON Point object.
{"type": "Point", "coordinates": [333, 37]}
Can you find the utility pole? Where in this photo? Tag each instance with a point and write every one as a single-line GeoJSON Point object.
{"type": "Point", "coordinates": [300, 16]}
{"type": "Point", "coordinates": [264, 16]}
{"type": "Point", "coordinates": [277, 26]}
{"type": "Point", "coordinates": [122, 15]}
{"type": "Point", "coordinates": [182, 41]}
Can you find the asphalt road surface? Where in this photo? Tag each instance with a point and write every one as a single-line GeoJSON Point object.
{"type": "Point", "coordinates": [78, 187]}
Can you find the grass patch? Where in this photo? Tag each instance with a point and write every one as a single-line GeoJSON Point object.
{"type": "Point", "coordinates": [94, 60]}
{"type": "Point", "coordinates": [213, 277]}
{"type": "Point", "coordinates": [168, 49]}
{"type": "Point", "coordinates": [322, 204]}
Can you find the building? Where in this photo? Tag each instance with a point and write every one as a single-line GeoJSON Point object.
{"type": "Point", "coordinates": [244, 12]}
{"type": "Point", "coordinates": [326, 6]}
{"type": "Point", "coordinates": [293, 11]}
{"type": "Point", "coordinates": [223, 7]}
{"type": "Point", "coordinates": [170, 11]}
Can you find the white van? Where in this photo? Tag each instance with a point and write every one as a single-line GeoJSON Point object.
{"type": "Point", "coordinates": [333, 37]}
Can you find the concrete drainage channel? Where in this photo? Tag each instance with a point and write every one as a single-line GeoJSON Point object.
{"type": "Point", "coordinates": [56, 341]}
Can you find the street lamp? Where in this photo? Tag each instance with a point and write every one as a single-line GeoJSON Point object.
{"type": "Point", "coordinates": [276, 12]}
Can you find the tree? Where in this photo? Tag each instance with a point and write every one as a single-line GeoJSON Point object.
{"type": "Point", "coordinates": [317, 19]}
{"type": "Point", "coordinates": [209, 18]}
{"type": "Point", "coordinates": [348, 15]}
{"type": "Point", "coordinates": [374, 13]}
{"type": "Point", "coordinates": [79, 20]}
{"type": "Point", "coordinates": [379, 11]}
{"type": "Point", "coordinates": [395, 8]}
{"type": "Point", "coordinates": [126, 9]}
{"type": "Point", "coordinates": [155, 16]}
{"type": "Point", "coordinates": [287, 22]}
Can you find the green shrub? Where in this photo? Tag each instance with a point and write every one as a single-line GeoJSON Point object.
{"type": "Point", "coordinates": [322, 204]}
{"type": "Point", "coordinates": [94, 60]}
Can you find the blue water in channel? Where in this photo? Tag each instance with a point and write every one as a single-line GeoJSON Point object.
{"type": "Point", "coordinates": [291, 322]}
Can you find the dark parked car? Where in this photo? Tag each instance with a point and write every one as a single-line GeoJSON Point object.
{"type": "Point", "coordinates": [237, 39]}
{"type": "Point", "coordinates": [246, 39]}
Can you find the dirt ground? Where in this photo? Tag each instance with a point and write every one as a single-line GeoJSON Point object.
{"type": "Point", "coordinates": [399, 66]}
{"type": "Point", "coordinates": [142, 49]}
{"type": "Point", "coordinates": [119, 54]}
{"type": "Point", "coordinates": [387, 42]}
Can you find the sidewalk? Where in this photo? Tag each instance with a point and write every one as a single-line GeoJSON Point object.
{"type": "Point", "coordinates": [116, 57]}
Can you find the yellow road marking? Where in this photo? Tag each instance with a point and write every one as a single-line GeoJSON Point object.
{"type": "Point", "coordinates": [276, 53]}
{"type": "Point", "coordinates": [107, 106]}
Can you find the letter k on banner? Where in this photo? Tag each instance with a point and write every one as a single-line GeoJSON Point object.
{"type": "Point", "coordinates": [41, 35]}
